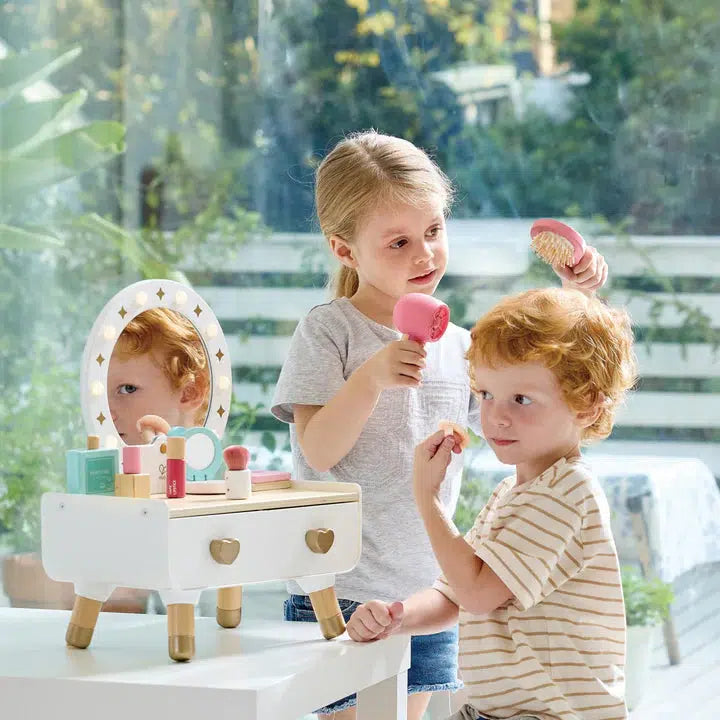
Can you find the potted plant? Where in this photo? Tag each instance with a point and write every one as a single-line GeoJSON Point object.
{"type": "Point", "coordinates": [647, 604]}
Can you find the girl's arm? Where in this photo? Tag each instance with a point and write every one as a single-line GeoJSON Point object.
{"type": "Point", "coordinates": [328, 432]}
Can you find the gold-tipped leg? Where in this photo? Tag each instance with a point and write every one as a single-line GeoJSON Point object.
{"type": "Point", "coordinates": [181, 648]}
{"type": "Point", "coordinates": [327, 611]}
{"type": "Point", "coordinates": [82, 622]}
{"type": "Point", "coordinates": [229, 606]}
{"type": "Point", "coordinates": [181, 631]}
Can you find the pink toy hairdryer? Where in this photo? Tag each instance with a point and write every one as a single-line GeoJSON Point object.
{"type": "Point", "coordinates": [421, 317]}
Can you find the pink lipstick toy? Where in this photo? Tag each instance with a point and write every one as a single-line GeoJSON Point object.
{"type": "Point", "coordinates": [421, 317]}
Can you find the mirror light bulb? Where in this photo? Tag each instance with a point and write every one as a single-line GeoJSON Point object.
{"type": "Point", "coordinates": [111, 442]}
{"type": "Point", "coordinates": [181, 297]}
{"type": "Point", "coordinates": [224, 382]}
{"type": "Point", "coordinates": [141, 298]}
{"type": "Point", "coordinates": [109, 332]}
{"type": "Point", "coordinates": [96, 388]}
{"type": "Point", "coordinates": [211, 330]}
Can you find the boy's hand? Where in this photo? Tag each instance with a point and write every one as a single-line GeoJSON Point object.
{"type": "Point", "coordinates": [432, 457]}
{"type": "Point", "coordinates": [400, 363]}
{"type": "Point", "coordinates": [588, 275]}
{"type": "Point", "coordinates": [375, 620]}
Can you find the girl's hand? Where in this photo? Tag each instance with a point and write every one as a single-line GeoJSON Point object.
{"type": "Point", "coordinates": [432, 457]}
{"type": "Point", "coordinates": [375, 620]}
{"type": "Point", "coordinates": [399, 363]}
{"type": "Point", "coordinates": [588, 275]}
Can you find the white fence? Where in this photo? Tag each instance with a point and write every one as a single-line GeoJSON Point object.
{"type": "Point", "coordinates": [676, 410]}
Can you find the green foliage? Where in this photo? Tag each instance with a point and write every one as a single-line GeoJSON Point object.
{"type": "Point", "coordinates": [39, 146]}
{"type": "Point", "coordinates": [37, 424]}
{"type": "Point", "coordinates": [647, 601]}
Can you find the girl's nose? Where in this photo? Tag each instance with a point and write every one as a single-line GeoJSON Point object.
{"type": "Point", "coordinates": [424, 253]}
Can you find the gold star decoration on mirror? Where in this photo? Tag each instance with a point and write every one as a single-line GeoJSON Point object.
{"type": "Point", "coordinates": [221, 411]}
{"type": "Point", "coordinates": [100, 418]}
{"type": "Point", "coordinates": [197, 310]}
{"type": "Point", "coordinates": [219, 355]}
{"type": "Point", "coordinates": [100, 359]}
{"type": "Point", "coordinates": [160, 293]}
{"type": "Point", "coordinates": [122, 312]}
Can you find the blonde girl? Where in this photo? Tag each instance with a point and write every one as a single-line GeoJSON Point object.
{"type": "Point", "coordinates": [359, 397]}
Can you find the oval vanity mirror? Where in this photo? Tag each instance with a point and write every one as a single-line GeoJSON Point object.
{"type": "Point", "coordinates": [157, 348]}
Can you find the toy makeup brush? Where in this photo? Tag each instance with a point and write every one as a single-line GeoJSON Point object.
{"type": "Point", "coordinates": [238, 479]}
{"type": "Point", "coordinates": [421, 317]}
{"type": "Point", "coordinates": [556, 243]}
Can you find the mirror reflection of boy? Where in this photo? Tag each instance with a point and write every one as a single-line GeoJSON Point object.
{"type": "Point", "coordinates": [158, 367]}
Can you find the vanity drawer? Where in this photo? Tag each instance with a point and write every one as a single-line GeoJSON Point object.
{"type": "Point", "coordinates": [272, 545]}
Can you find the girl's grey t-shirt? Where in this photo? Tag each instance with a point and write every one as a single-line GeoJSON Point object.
{"type": "Point", "coordinates": [329, 344]}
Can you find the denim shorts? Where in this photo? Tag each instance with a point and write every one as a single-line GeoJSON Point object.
{"type": "Point", "coordinates": [433, 658]}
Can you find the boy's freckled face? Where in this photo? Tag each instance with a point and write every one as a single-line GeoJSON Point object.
{"type": "Point", "coordinates": [138, 386]}
{"type": "Point", "coordinates": [524, 417]}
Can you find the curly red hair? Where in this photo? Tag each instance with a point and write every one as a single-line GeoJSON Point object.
{"type": "Point", "coordinates": [585, 343]}
{"type": "Point", "coordinates": [174, 340]}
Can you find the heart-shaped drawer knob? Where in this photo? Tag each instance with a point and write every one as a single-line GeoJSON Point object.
{"type": "Point", "coordinates": [225, 551]}
{"type": "Point", "coordinates": [319, 540]}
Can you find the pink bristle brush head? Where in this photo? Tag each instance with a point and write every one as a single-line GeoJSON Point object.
{"type": "Point", "coordinates": [556, 243]}
{"type": "Point", "coordinates": [421, 317]}
{"type": "Point", "coordinates": [236, 457]}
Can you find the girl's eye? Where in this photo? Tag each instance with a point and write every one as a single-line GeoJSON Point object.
{"type": "Point", "coordinates": [485, 395]}
{"type": "Point", "coordinates": [522, 400]}
{"type": "Point", "coordinates": [434, 232]}
{"type": "Point", "coordinates": [127, 389]}
{"type": "Point", "coordinates": [399, 243]}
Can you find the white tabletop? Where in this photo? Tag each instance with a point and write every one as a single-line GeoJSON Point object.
{"type": "Point", "coordinates": [259, 670]}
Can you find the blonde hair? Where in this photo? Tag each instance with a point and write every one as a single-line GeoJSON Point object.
{"type": "Point", "coordinates": [360, 172]}
{"type": "Point", "coordinates": [176, 341]}
{"type": "Point", "coordinates": [586, 344]}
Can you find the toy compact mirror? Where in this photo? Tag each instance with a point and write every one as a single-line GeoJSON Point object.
{"type": "Point", "coordinates": [157, 348]}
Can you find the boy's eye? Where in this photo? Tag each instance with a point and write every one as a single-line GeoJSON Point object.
{"type": "Point", "coordinates": [399, 243]}
{"type": "Point", "coordinates": [522, 400]}
{"type": "Point", "coordinates": [434, 232]}
{"type": "Point", "coordinates": [485, 395]}
{"type": "Point", "coordinates": [127, 389]}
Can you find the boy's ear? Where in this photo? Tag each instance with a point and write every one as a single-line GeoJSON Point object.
{"type": "Point", "coordinates": [193, 395]}
{"type": "Point", "coordinates": [587, 417]}
{"type": "Point", "coordinates": [342, 251]}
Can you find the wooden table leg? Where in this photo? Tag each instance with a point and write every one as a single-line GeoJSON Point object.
{"type": "Point", "coordinates": [327, 611]}
{"type": "Point", "coordinates": [229, 606]}
{"type": "Point", "coordinates": [82, 621]}
{"type": "Point", "coordinates": [181, 631]}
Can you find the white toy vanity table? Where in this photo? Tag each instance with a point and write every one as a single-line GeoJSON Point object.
{"type": "Point", "coordinates": [307, 532]}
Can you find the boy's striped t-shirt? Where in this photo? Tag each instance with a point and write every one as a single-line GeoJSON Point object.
{"type": "Point", "coordinates": [557, 651]}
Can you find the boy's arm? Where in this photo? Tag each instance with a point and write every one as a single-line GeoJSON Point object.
{"type": "Point", "coordinates": [426, 612]}
{"type": "Point", "coordinates": [477, 588]}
